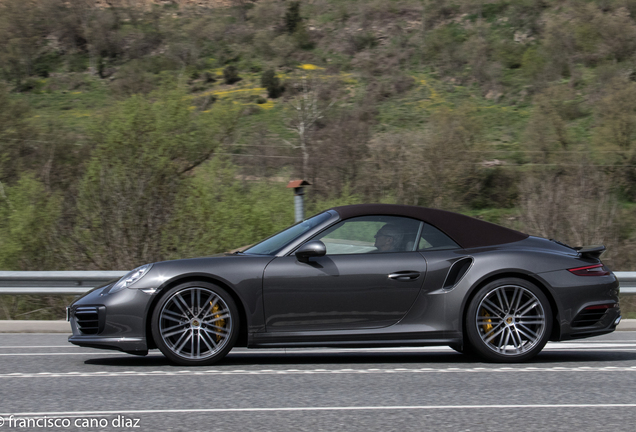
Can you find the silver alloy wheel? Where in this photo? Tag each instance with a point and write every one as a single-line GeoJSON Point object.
{"type": "Point", "coordinates": [195, 323]}
{"type": "Point", "coordinates": [511, 320]}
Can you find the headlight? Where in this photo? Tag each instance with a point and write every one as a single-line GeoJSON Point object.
{"type": "Point", "coordinates": [130, 278]}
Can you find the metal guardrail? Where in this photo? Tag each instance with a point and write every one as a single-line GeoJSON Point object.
{"type": "Point", "coordinates": [54, 282]}
{"type": "Point", "coordinates": [627, 281]}
{"type": "Point", "coordinates": [79, 282]}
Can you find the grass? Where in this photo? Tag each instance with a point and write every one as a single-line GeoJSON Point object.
{"type": "Point", "coordinates": [73, 108]}
{"type": "Point", "coordinates": [34, 307]}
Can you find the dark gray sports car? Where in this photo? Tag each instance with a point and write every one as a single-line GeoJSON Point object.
{"type": "Point", "coordinates": [366, 275]}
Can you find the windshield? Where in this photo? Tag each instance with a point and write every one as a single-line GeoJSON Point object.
{"type": "Point", "coordinates": [276, 242]}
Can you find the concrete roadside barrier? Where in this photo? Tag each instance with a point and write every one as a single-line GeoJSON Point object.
{"type": "Point", "coordinates": [34, 326]}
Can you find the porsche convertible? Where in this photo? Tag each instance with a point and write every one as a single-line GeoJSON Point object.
{"type": "Point", "coordinates": [368, 275]}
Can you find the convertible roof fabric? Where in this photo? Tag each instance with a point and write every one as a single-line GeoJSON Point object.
{"type": "Point", "coordinates": [466, 231]}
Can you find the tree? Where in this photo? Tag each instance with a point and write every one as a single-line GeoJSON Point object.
{"type": "Point", "coordinates": [270, 81]}
{"type": "Point", "coordinates": [616, 113]}
{"type": "Point", "coordinates": [241, 7]}
{"type": "Point", "coordinates": [230, 74]}
{"type": "Point", "coordinates": [575, 206]}
{"type": "Point", "coordinates": [217, 212]}
{"type": "Point", "coordinates": [431, 167]}
{"type": "Point", "coordinates": [144, 151]}
{"type": "Point", "coordinates": [30, 240]}
{"type": "Point", "coordinates": [22, 33]}
{"type": "Point", "coordinates": [16, 137]}
{"type": "Point", "coordinates": [28, 219]}
{"type": "Point", "coordinates": [292, 17]}
{"type": "Point", "coordinates": [306, 110]}
{"type": "Point", "coordinates": [546, 132]}
{"type": "Point", "coordinates": [83, 11]}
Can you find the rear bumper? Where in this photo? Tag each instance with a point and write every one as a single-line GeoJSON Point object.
{"type": "Point", "coordinates": [606, 324]}
{"type": "Point", "coordinates": [573, 294]}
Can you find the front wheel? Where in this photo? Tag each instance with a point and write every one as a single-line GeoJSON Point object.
{"type": "Point", "coordinates": [195, 324]}
{"type": "Point", "coordinates": [508, 320]}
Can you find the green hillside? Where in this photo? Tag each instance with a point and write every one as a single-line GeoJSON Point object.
{"type": "Point", "coordinates": [130, 135]}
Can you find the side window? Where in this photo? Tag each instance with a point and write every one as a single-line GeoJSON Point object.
{"type": "Point", "coordinates": [433, 239]}
{"type": "Point", "coordinates": [371, 234]}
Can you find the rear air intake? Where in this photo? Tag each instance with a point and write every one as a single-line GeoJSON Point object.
{"type": "Point", "coordinates": [591, 315]}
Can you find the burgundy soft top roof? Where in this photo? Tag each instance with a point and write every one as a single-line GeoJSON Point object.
{"type": "Point", "coordinates": [466, 231]}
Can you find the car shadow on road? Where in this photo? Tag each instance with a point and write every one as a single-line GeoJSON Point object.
{"type": "Point", "coordinates": [546, 358]}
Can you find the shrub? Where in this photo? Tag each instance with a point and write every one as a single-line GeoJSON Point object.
{"type": "Point", "coordinates": [77, 62]}
{"type": "Point", "coordinates": [45, 64]}
{"type": "Point", "coordinates": [292, 17]}
{"type": "Point", "coordinates": [270, 81]}
{"type": "Point", "coordinates": [28, 217]}
{"type": "Point", "coordinates": [361, 41]}
{"type": "Point", "coordinates": [209, 77]}
{"type": "Point", "coordinates": [303, 38]}
{"type": "Point", "coordinates": [132, 78]}
{"type": "Point", "coordinates": [496, 187]}
{"type": "Point", "coordinates": [28, 85]}
{"type": "Point", "coordinates": [266, 12]}
{"type": "Point", "coordinates": [230, 75]}
{"type": "Point", "coordinates": [533, 63]}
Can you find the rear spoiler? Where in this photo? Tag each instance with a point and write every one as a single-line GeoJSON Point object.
{"type": "Point", "coordinates": [593, 252]}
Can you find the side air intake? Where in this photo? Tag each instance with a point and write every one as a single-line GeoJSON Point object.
{"type": "Point", "coordinates": [457, 271]}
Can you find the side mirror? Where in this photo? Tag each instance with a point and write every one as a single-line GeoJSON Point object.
{"type": "Point", "coordinates": [311, 249]}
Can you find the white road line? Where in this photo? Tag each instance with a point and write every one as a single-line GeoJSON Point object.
{"type": "Point", "coordinates": [217, 372]}
{"type": "Point", "coordinates": [259, 352]}
{"type": "Point", "coordinates": [551, 345]}
{"type": "Point", "coordinates": [333, 408]}
{"type": "Point", "coordinates": [318, 351]}
{"type": "Point", "coordinates": [579, 350]}
{"type": "Point", "coordinates": [40, 346]}
{"type": "Point", "coordinates": [592, 341]}
{"type": "Point", "coordinates": [570, 345]}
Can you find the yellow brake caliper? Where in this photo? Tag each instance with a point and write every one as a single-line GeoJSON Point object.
{"type": "Point", "coordinates": [218, 323]}
{"type": "Point", "coordinates": [487, 326]}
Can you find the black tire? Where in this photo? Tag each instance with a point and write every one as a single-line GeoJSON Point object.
{"type": "Point", "coordinates": [458, 348]}
{"type": "Point", "coordinates": [191, 333]}
{"type": "Point", "coordinates": [509, 320]}
{"type": "Point", "coordinates": [465, 349]}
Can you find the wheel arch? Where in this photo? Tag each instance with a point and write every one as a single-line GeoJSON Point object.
{"type": "Point", "coordinates": [243, 324]}
{"type": "Point", "coordinates": [555, 335]}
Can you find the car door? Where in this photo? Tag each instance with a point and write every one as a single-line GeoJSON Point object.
{"type": "Point", "coordinates": [356, 285]}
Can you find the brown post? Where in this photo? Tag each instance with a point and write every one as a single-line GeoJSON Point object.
{"type": "Point", "coordinates": [299, 191]}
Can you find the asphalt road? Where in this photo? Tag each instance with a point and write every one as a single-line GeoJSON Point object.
{"type": "Point", "coordinates": [587, 385]}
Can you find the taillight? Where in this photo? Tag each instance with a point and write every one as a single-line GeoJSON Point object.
{"type": "Point", "coordinates": [593, 270]}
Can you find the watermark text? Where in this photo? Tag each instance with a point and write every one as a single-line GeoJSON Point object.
{"type": "Point", "coordinates": [119, 421]}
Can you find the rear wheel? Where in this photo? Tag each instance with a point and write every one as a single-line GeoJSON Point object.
{"type": "Point", "coordinates": [195, 324]}
{"type": "Point", "coordinates": [508, 320]}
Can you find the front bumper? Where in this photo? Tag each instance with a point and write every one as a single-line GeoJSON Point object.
{"type": "Point", "coordinates": [111, 321]}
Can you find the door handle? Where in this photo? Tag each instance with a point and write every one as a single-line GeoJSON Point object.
{"type": "Point", "coordinates": [404, 275]}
